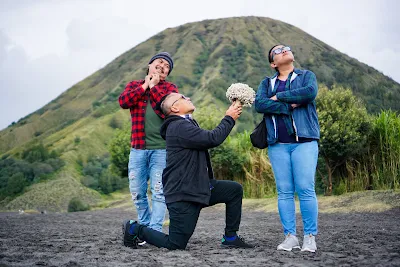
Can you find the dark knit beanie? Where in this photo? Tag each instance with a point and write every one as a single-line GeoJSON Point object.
{"type": "Point", "coordinates": [167, 57]}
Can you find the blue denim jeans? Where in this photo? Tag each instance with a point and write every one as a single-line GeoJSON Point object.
{"type": "Point", "coordinates": [145, 165]}
{"type": "Point", "coordinates": [294, 167]}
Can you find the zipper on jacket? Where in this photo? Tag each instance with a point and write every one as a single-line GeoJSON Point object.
{"type": "Point", "coordinates": [273, 81]}
{"type": "Point", "coordinates": [292, 77]}
{"type": "Point", "coordinates": [295, 129]}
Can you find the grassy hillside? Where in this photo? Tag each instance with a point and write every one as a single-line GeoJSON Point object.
{"type": "Point", "coordinates": [209, 56]}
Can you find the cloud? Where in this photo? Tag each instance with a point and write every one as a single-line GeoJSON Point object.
{"type": "Point", "coordinates": [27, 83]}
{"type": "Point", "coordinates": [4, 44]}
{"type": "Point", "coordinates": [104, 38]}
{"type": "Point", "coordinates": [99, 33]}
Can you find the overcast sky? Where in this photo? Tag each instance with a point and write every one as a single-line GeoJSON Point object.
{"type": "Point", "coordinates": [47, 46]}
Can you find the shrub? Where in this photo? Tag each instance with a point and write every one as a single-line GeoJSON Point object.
{"type": "Point", "coordinates": [345, 126]}
{"type": "Point", "coordinates": [36, 153]}
{"type": "Point", "coordinates": [340, 189]}
{"type": "Point", "coordinates": [16, 184]}
{"type": "Point", "coordinates": [115, 123]}
{"type": "Point", "coordinates": [77, 140]}
{"type": "Point", "coordinates": [119, 149]}
{"type": "Point", "coordinates": [91, 182]}
{"type": "Point", "coordinates": [75, 204]}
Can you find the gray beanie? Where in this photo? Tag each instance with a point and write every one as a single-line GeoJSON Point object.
{"type": "Point", "coordinates": [167, 57]}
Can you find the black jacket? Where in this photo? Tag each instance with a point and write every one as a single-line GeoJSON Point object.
{"type": "Point", "coordinates": [188, 172]}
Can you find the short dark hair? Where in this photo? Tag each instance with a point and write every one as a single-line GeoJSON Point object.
{"type": "Point", "coordinates": [269, 53]}
{"type": "Point", "coordinates": [160, 105]}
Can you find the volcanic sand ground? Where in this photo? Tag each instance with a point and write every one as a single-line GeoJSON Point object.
{"type": "Point", "coordinates": [94, 238]}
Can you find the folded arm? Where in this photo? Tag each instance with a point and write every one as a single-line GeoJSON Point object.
{"type": "Point", "coordinates": [302, 95]}
{"type": "Point", "coordinates": [264, 104]}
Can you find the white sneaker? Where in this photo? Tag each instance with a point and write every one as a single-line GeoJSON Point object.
{"type": "Point", "coordinates": [309, 243]}
{"type": "Point", "coordinates": [289, 243]}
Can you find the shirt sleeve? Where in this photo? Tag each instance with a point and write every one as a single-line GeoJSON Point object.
{"type": "Point", "coordinates": [158, 91]}
{"type": "Point", "coordinates": [132, 94]}
{"type": "Point", "coordinates": [193, 137]}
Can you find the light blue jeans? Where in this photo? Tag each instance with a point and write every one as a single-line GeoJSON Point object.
{"type": "Point", "coordinates": [145, 165]}
{"type": "Point", "coordinates": [294, 167]}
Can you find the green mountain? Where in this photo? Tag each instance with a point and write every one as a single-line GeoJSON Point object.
{"type": "Point", "coordinates": [208, 57]}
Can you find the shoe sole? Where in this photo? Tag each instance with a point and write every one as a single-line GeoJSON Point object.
{"type": "Point", "coordinates": [125, 232]}
{"type": "Point", "coordinates": [230, 246]}
{"type": "Point", "coordinates": [287, 249]}
{"type": "Point", "coordinates": [308, 250]}
{"type": "Point", "coordinates": [142, 243]}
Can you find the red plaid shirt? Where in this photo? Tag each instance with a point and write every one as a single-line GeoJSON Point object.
{"type": "Point", "coordinates": [135, 98]}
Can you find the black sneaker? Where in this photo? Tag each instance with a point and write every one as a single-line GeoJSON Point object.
{"type": "Point", "coordinates": [129, 240]}
{"type": "Point", "coordinates": [237, 243]}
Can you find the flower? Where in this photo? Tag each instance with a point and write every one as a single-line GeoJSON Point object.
{"type": "Point", "coordinates": [242, 92]}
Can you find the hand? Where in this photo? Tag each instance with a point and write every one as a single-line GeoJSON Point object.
{"type": "Point", "coordinates": [146, 82]}
{"type": "Point", "coordinates": [295, 105]}
{"type": "Point", "coordinates": [234, 110]}
{"type": "Point", "coordinates": [274, 98]}
{"type": "Point", "coordinates": [155, 79]}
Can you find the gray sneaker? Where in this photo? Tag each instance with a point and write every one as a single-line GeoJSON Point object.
{"type": "Point", "coordinates": [309, 243]}
{"type": "Point", "coordinates": [289, 243]}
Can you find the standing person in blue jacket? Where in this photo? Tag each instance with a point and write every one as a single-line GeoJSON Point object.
{"type": "Point", "coordinates": [287, 100]}
{"type": "Point", "coordinates": [188, 179]}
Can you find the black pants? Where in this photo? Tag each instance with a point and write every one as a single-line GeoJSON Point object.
{"type": "Point", "coordinates": [183, 217]}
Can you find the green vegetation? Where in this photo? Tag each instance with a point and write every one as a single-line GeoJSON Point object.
{"type": "Point", "coordinates": [119, 150]}
{"type": "Point", "coordinates": [98, 176]}
{"type": "Point", "coordinates": [75, 204]}
{"type": "Point", "coordinates": [345, 127]}
{"type": "Point", "coordinates": [36, 165]}
{"type": "Point", "coordinates": [383, 157]}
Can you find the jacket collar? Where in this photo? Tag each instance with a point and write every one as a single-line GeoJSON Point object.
{"type": "Point", "coordinates": [292, 75]}
{"type": "Point", "coordinates": [297, 71]}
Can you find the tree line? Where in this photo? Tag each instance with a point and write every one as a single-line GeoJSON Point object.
{"type": "Point", "coordinates": [33, 165]}
{"type": "Point", "coordinates": [358, 151]}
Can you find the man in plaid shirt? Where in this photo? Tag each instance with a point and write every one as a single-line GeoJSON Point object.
{"type": "Point", "coordinates": [147, 157]}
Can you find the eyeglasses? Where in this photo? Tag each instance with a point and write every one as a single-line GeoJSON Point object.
{"type": "Point", "coordinates": [280, 51]}
{"type": "Point", "coordinates": [173, 103]}
{"type": "Point", "coordinates": [182, 97]}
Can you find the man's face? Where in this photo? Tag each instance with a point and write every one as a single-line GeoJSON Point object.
{"type": "Point", "coordinates": [281, 54]}
{"type": "Point", "coordinates": [182, 104]}
{"type": "Point", "coordinates": [160, 66]}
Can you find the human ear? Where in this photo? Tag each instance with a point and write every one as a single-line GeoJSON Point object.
{"type": "Point", "coordinates": [174, 109]}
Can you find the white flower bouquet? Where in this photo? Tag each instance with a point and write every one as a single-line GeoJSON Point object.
{"type": "Point", "coordinates": [241, 92]}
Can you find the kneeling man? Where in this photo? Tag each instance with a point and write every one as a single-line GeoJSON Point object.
{"type": "Point", "coordinates": [188, 179]}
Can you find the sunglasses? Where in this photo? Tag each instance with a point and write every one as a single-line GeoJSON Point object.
{"type": "Point", "coordinates": [280, 51]}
